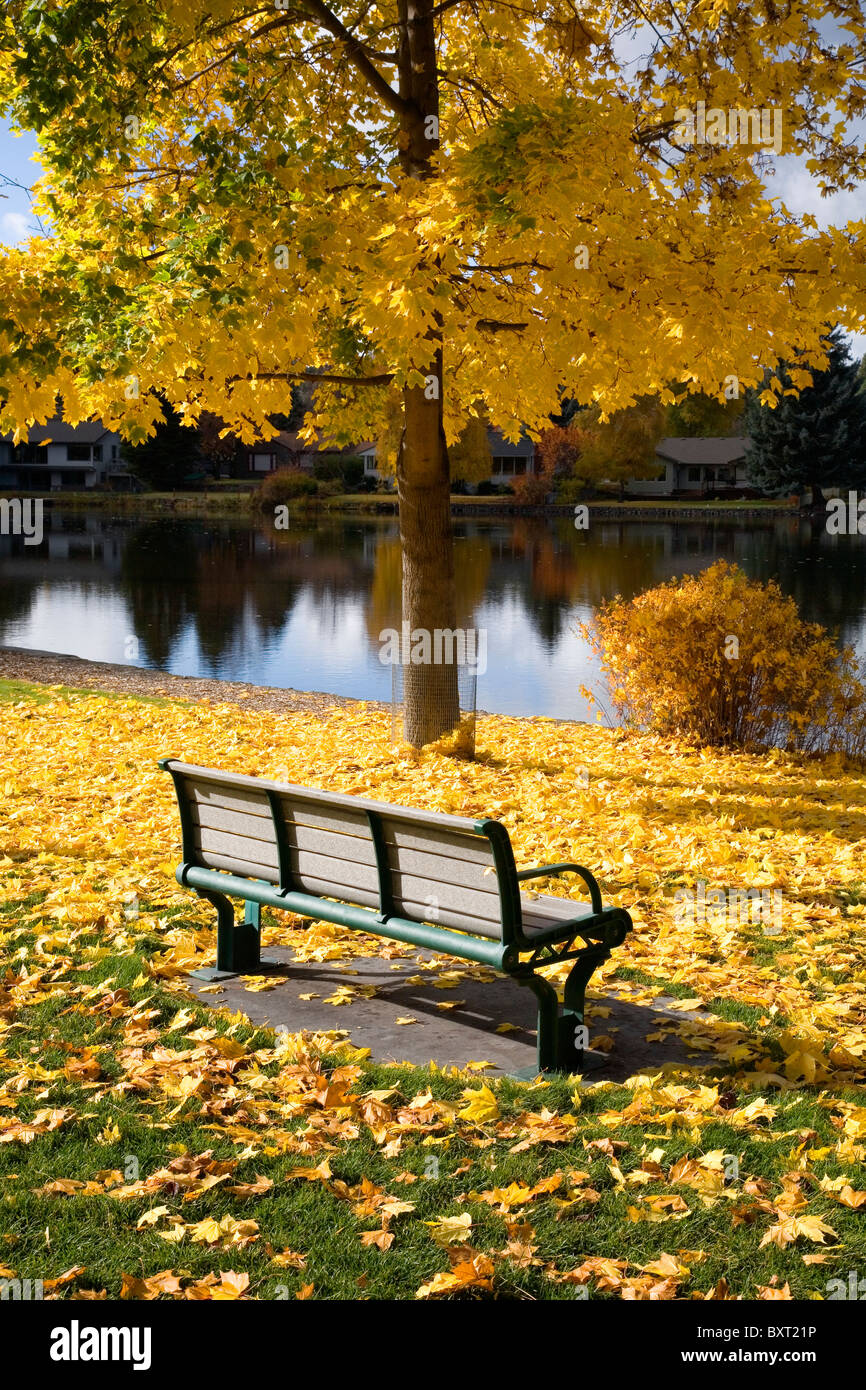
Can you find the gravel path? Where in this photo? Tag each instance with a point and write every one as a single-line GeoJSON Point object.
{"type": "Point", "coordinates": [51, 668]}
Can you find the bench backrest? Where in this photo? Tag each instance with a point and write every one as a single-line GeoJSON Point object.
{"type": "Point", "coordinates": [421, 865]}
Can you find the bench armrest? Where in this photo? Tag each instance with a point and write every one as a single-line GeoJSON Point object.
{"type": "Point", "coordinates": [543, 870]}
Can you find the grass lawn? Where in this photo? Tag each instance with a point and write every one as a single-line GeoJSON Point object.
{"type": "Point", "coordinates": [153, 1147]}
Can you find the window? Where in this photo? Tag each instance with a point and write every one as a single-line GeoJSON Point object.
{"type": "Point", "coordinates": [262, 463]}
{"type": "Point", "coordinates": [30, 453]}
{"type": "Point", "coordinates": [511, 465]}
{"type": "Point", "coordinates": [97, 453]}
{"type": "Point", "coordinates": [78, 453]}
{"type": "Point", "coordinates": [694, 475]}
{"type": "Point", "coordinates": [369, 463]}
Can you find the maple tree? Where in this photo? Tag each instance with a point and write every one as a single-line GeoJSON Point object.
{"type": "Point", "coordinates": [418, 206]}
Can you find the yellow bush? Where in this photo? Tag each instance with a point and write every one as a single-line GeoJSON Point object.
{"type": "Point", "coordinates": [727, 660]}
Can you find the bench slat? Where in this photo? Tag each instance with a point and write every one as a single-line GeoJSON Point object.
{"type": "Point", "coordinates": [239, 783]}
{"type": "Point", "coordinates": [307, 839]}
{"type": "Point", "coordinates": [338, 821]}
{"type": "Point", "coordinates": [324, 888]}
{"type": "Point", "coordinates": [227, 799]}
{"type": "Point", "coordinates": [242, 867]}
{"type": "Point", "coordinates": [238, 846]}
{"type": "Point", "coordinates": [409, 888]}
{"type": "Point", "coordinates": [234, 822]}
{"type": "Point", "coordinates": [447, 917]}
{"type": "Point", "coordinates": [473, 849]}
{"type": "Point", "coordinates": [439, 869]}
{"type": "Point", "coordinates": [342, 874]}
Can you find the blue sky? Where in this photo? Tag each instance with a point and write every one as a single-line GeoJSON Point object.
{"type": "Point", "coordinates": [16, 218]}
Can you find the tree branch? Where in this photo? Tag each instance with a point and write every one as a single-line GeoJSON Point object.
{"type": "Point", "coordinates": [355, 51]}
{"type": "Point", "coordinates": [495, 326]}
{"type": "Point", "coordinates": [382, 379]}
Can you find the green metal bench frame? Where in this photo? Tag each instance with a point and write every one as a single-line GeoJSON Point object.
{"type": "Point", "coordinates": [559, 1046]}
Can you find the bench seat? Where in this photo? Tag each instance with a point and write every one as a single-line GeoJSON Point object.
{"type": "Point", "coordinates": [544, 916]}
{"type": "Point", "coordinates": [443, 882]}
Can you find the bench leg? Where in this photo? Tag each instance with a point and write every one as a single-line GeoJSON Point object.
{"type": "Point", "coordinates": [237, 942]}
{"type": "Point", "coordinates": [548, 1020]}
{"type": "Point", "coordinates": [572, 1037]}
{"type": "Point", "coordinates": [562, 1036]}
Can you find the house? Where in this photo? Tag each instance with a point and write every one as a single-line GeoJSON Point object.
{"type": "Point", "coordinates": [367, 454]}
{"type": "Point", "coordinates": [508, 461]}
{"type": "Point", "coordinates": [288, 450]}
{"type": "Point", "coordinates": [58, 456]}
{"type": "Point", "coordinates": [697, 467]}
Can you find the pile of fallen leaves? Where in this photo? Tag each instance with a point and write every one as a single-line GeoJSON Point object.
{"type": "Point", "coordinates": [227, 1140]}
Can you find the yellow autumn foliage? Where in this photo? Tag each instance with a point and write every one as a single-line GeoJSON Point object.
{"type": "Point", "coordinates": [727, 660]}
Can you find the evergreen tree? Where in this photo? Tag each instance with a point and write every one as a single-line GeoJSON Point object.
{"type": "Point", "coordinates": [168, 459]}
{"type": "Point", "coordinates": [813, 440]}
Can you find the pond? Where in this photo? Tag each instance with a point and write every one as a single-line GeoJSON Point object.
{"type": "Point", "coordinates": [304, 608]}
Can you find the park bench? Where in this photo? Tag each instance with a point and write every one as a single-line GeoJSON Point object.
{"type": "Point", "coordinates": [446, 883]}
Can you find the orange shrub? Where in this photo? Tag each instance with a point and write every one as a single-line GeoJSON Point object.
{"type": "Point", "coordinates": [533, 489]}
{"type": "Point", "coordinates": [726, 660]}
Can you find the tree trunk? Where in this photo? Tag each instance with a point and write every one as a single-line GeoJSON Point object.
{"type": "Point", "coordinates": [430, 695]}
{"type": "Point", "coordinates": [430, 698]}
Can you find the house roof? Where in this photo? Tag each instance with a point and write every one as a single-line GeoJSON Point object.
{"type": "Point", "coordinates": [291, 441]}
{"type": "Point", "coordinates": [57, 431]}
{"type": "Point", "coordinates": [524, 448]}
{"type": "Point", "coordinates": [704, 451]}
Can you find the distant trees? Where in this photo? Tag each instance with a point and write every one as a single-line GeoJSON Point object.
{"type": "Point", "coordinates": [177, 454]}
{"type": "Point", "coordinates": [471, 460]}
{"type": "Point", "coordinates": [559, 450]}
{"type": "Point", "coordinates": [623, 447]}
{"type": "Point", "coordinates": [221, 450]}
{"type": "Point", "coordinates": [170, 457]}
{"type": "Point", "coordinates": [703, 417]}
{"type": "Point", "coordinates": [812, 440]}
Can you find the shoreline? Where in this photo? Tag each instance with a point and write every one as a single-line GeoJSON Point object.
{"type": "Point", "coordinates": [236, 505]}
{"type": "Point", "coordinates": [34, 667]}
{"type": "Point", "coordinates": [77, 672]}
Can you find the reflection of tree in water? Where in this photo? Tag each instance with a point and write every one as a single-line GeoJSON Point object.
{"type": "Point", "coordinates": [226, 570]}
{"type": "Point", "coordinates": [16, 601]}
{"type": "Point", "coordinates": [384, 607]}
{"type": "Point", "coordinates": [221, 574]}
{"type": "Point", "coordinates": [553, 568]}
{"type": "Point", "coordinates": [238, 584]}
{"type": "Point", "coordinates": [158, 576]}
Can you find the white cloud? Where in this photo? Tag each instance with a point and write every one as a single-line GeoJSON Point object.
{"type": "Point", "coordinates": [14, 226]}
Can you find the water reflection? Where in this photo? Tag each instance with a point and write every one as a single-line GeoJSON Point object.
{"type": "Point", "coordinates": [304, 608]}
